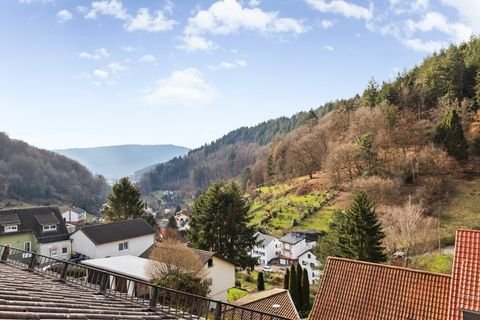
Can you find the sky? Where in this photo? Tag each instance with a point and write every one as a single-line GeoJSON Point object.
{"type": "Point", "coordinates": [110, 72]}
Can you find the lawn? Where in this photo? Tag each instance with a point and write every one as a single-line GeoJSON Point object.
{"type": "Point", "coordinates": [236, 293]}
{"type": "Point", "coordinates": [248, 281]}
{"type": "Point", "coordinates": [440, 263]}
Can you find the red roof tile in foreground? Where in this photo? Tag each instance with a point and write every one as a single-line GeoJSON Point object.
{"type": "Point", "coordinates": [465, 290]}
{"type": "Point", "coordinates": [275, 301]}
{"type": "Point", "coordinates": [364, 291]}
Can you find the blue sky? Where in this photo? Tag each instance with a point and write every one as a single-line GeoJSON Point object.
{"type": "Point", "coordinates": [93, 73]}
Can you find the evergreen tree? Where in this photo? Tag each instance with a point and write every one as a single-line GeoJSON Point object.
{"type": "Point", "coordinates": [305, 292]}
{"type": "Point", "coordinates": [172, 223]}
{"type": "Point", "coordinates": [270, 166]}
{"type": "Point", "coordinates": [292, 285]}
{"type": "Point", "coordinates": [260, 282]}
{"type": "Point", "coordinates": [286, 279]}
{"type": "Point", "coordinates": [355, 233]}
{"type": "Point", "coordinates": [299, 274]}
{"type": "Point", "coordinates": [150, 219]}
{"type": "Point", "coordinates": [220, 222]}
{"type": "Point", "coordinates": [371, 95]}
{"type": "Point", "coordinates": [449, 133]}
{"type": "Point", "coordinates": [477, 88]}
{"type": "Point", "coordinates": [124, 202]}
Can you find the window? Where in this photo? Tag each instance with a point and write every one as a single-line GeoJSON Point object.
{"type": "Point", "coordinates": [49, 227]}
{"type": "Point", "coordinates": [27, 246]}
{"type": "Point", "coordinates": [53, 252]}
{"type": "Point", "coordinates": [312, 264]}
{"type": "Point", "coordinates": [64, 250]}
{"type": "Point", "coordinates": [123, 246]}
{"type": "Point", "coordinates": [309, 255]}
{"type": "Point", "coordinates": [210, 263]}
{"type": "Point", "coordinates": [304, 263]}
{"type": "Point", "coordinates": [467, 315]}
{"type": "Point", "coordinates": [11, 228]}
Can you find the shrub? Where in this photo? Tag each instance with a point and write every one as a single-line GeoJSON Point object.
{"type": "Point", "coordinates": [238, 283]}
{"type": "Point", "coordinates": [380, 189]}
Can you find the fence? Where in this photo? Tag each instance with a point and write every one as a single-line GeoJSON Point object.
{"type": "Point", "coordinates": [159, 299]}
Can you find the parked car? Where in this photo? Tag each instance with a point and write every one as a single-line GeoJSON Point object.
{"type": "Point", "coordinates": [267, 269]}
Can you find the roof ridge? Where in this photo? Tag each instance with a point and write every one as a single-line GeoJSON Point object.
{"type": "Point", "coordinates": [467, 230]}
{"type": "Point", "coordinates": [388, 266]}
{"type": "Point", "coordinates": [112, 222]}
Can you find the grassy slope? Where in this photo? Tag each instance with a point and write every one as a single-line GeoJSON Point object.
{"type": "Point", "coordinates": [283, 205]}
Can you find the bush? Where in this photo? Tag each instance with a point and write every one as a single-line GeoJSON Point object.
{"type": "Point", "coordinates": [294, 223]}
{"type": "Point", "coordinates": [238, 283]}
{"type": "Point", "coordinates": [379, 189]}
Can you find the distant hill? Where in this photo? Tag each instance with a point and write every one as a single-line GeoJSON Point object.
{"type": "Point", "coordinates": [37, 176]}
{"type": "Point", "coordinates": [115, 162]}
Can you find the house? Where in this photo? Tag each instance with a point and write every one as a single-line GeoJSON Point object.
{"type": "Point", "coordinates": [293, 244]}
{"type": "Point", "coordinates": [219, 271]}
{"type": "Point", "coordinates": [465, 288]}
{"type": "Point", "coordinates": [182, 220]}
{"type": "Point", "coordinates": [309, 261]}
{"type": "Point", "coordinates": [361, 290]}
{"type": "Point", "coordinates": [75, 216]}
{"type": "Point", "coordinates": [128, 237]}
{"type": "Point", "coordinates": [268, 248]}
{"type": "Point", "coordinates": [38, 229]}
{"type": "Point", "coordinates": [275, 301]}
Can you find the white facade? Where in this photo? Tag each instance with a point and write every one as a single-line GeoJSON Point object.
{"type": "Point", "coordinates": [58, 250]}
{"type": "Point", "coordinates": [134, 246]}
{"type": "Point", "coordinates": [74, 217]}
{"type": "Point", "coordinates": [309, 261]}
{"type": "Point", "coordinates": [222, 275]}
{"type": "Point", "coordinates": [269, 248]}
{"type": "Point", "coordinates": [292, 249]}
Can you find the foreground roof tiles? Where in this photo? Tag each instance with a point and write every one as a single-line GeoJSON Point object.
{"type": "Point", "coordinates": [465, 291]}
{"type": "Point", "coordinates": [364, 291]}
{"type": "Point", "coordinates": [26, 295]}
{"type": "Point", "coordinates": [274, 301]}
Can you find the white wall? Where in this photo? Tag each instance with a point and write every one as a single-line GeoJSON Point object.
{"type": "Point", "coordinates": [222, 274]}
{"type": "Point", "coordinates": [136, 246]}
{"type": "Point", "coordinates": [292, 251]}
{"type": "Point", "coordinates": [306, 260]}
{"type": "Point", "coordinates": [44, 249]}
{"type": "Point", "coordinates": [72, 216]}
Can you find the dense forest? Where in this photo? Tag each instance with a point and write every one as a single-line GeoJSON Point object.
{"type": "Point", "coordinates": [224, 158]}
{"type": "Point", "coordinates": [37, 176]}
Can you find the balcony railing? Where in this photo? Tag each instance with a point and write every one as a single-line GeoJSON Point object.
{"type": "Point", "coordinates": [180, 304]}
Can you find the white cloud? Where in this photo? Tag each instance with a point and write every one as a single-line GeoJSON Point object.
{"type": "Point", "coordinates": [349, 10]}
{"type": "Point", "coordinates": [128, 49]}
{"type": "Point", "coordinates": [98, 54]}
{"type": "Point", "coordinates": [151, 23]}
{"type": "Point", "coordinates": [193, 43]}
{"type": "Point", "coordinates": [327, 24]}
{"type": "Point", "coordinates": [148, 58]}
{"type": "Point", "coordinates": [225, 17]}
{"type": "Point", "coordinates": [63, 16]}
{"type": "Point", "coordinates": [34, 1]}
{"type": "Point", "coordinates": [408, 6]}
{"type": "Point", "coordinates": [434, 21]}
{"type": "Point", "coordinates": [424, 46]}
{"type": "Point", "coordinates": [115, 67]}
{"type": "Point", "coordinates": [254, 3]}
{"type": "Point", "coordinates": [182, 87]}
{"type": "Point", "coordinates": [100, 74]}
{"type": "Point", "coordinates": [112, 8]}
{"type": "Point", "coordinates": [468, 10]}
{"type": "Point", "coordinates": [81, 9]}
{"type": "Point", "coordinates": [328, 48]}
{"type": "Point", "coordinates": [229, 65]}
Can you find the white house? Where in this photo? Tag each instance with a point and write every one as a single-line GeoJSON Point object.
{"type": "Point", "coordinates": [128, 237]}
{"type": "Point", "coordinates": [268, 248]}
{"type": "Point", "coordinates": [293, 244]}
{"type": "Point", "coordinates": [309, 261]}
{"type": "Point", "coordinates": [75, 215]}
{"type": "Point", "coordinates": [182, 220]}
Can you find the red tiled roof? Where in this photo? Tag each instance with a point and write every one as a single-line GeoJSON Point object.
{"type": "Point", "coordinates": [363, 291]}
{"type": "Point", "coordinates": [465, 289]}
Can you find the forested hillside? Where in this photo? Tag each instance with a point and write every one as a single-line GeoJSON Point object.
{"type": "Point", "coordinates": [224, 158]}
{"type": "Point", "coordinates": [42, 177]}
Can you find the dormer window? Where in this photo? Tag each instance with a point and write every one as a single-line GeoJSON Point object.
{"type": "Point", "coordinates": [11, 228]}
{"type": "Point", "coordinates": [50, 227]}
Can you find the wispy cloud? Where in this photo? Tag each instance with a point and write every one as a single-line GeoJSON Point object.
{"type": "Point", "coordinates": [63, 16]}
{"type": "Point", "coordinates": [344, 8]}
{"type": "Point", "coordinates": [182, 88]}
{"type": "Point", "coordinates": [148, 58]}
{"type": "Point", "coordinates": [328, 48]}
{"type": "Point", "coordinates": [326, 24]}
{"type": "Point", "coordinates": [97, 55]}
{"type": "Point", "coordinates": [229, 65]}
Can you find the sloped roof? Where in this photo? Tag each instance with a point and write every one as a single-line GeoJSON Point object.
{"type": "Point", "coordinates": [291, 239]}
{"type": "Point", "coordinates": [275, 301]}
{"type": "Point", "coordinates": [117, 231]}
{"type": "Point", "coordinates": [363, 291]}
{"type": "Point", "coordinates": [27, 295]}
{"type": "Point", "coordinates": [30, 222]}
{"type": "Point", "coordinates": [264, 238]}
{"type": "Point", "coordinates": [465, 288]}
{"type": "Point", "coordinates": [9, 219]}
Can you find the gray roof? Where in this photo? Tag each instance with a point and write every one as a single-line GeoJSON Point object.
{"type": "Point", "coordinates": [46, 219]}
{"type": "Point", "coordinates": [264, 238]}
{"type": "Point", "coordinates": [291, 239]}
{"type": "Point", "coordinates": [27, 295]}
{"type": "Point", "coordinates": [9, 219]}
{"type": "Point", "coordinates": [117, 231]}
{"type": "Point", "coordinates": [77, 210]}
{"type": "Point", "coordinates": [30, 222]}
